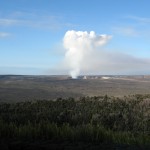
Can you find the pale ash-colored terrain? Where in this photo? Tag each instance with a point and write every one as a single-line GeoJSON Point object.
{"type": "Point", "coordinates": [21, 88]}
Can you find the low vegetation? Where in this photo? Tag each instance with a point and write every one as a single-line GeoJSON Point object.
{"type": "Point", "coordinates": [93, 120]}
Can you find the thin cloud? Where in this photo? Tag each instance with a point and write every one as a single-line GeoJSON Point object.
{"type": "Point", "coordinates": [48, 23]}
{"type": "Point", "coordinates": [9, 22]}
{"type": "Point", "coordinates": [136, 27]}
{"type": "Point", "coordinates": [142, 20]}
{"type": "Point", "coordinates": [126, 31]}
{"type": "Point", "coordinates": [4, 34]}
{"type": "Point", "coordinates": [24, 19]}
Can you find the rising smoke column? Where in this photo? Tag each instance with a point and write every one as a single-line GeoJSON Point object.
{"type": "Point", "coordinates": [79, 45]}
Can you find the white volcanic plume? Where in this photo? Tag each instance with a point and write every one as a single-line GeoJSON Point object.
{"type": "Point", "coordinates": [80, 47]}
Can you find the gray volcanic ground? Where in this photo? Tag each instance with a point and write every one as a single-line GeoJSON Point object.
{"type": "Point", "coordinates": [21, 88]}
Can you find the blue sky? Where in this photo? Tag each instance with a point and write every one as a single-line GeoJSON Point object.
{"type": "Point", "coordinates": [31, 33]}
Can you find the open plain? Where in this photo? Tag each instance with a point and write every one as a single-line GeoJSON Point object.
{"type": "Point", "coordinates": [26, 88]}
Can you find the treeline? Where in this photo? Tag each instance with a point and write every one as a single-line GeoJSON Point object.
{"type": "Point", "coordinates": [89, 119]}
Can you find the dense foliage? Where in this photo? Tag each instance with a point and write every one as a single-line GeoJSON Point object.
{"type": "Point", "coordinates": [89, 119]}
